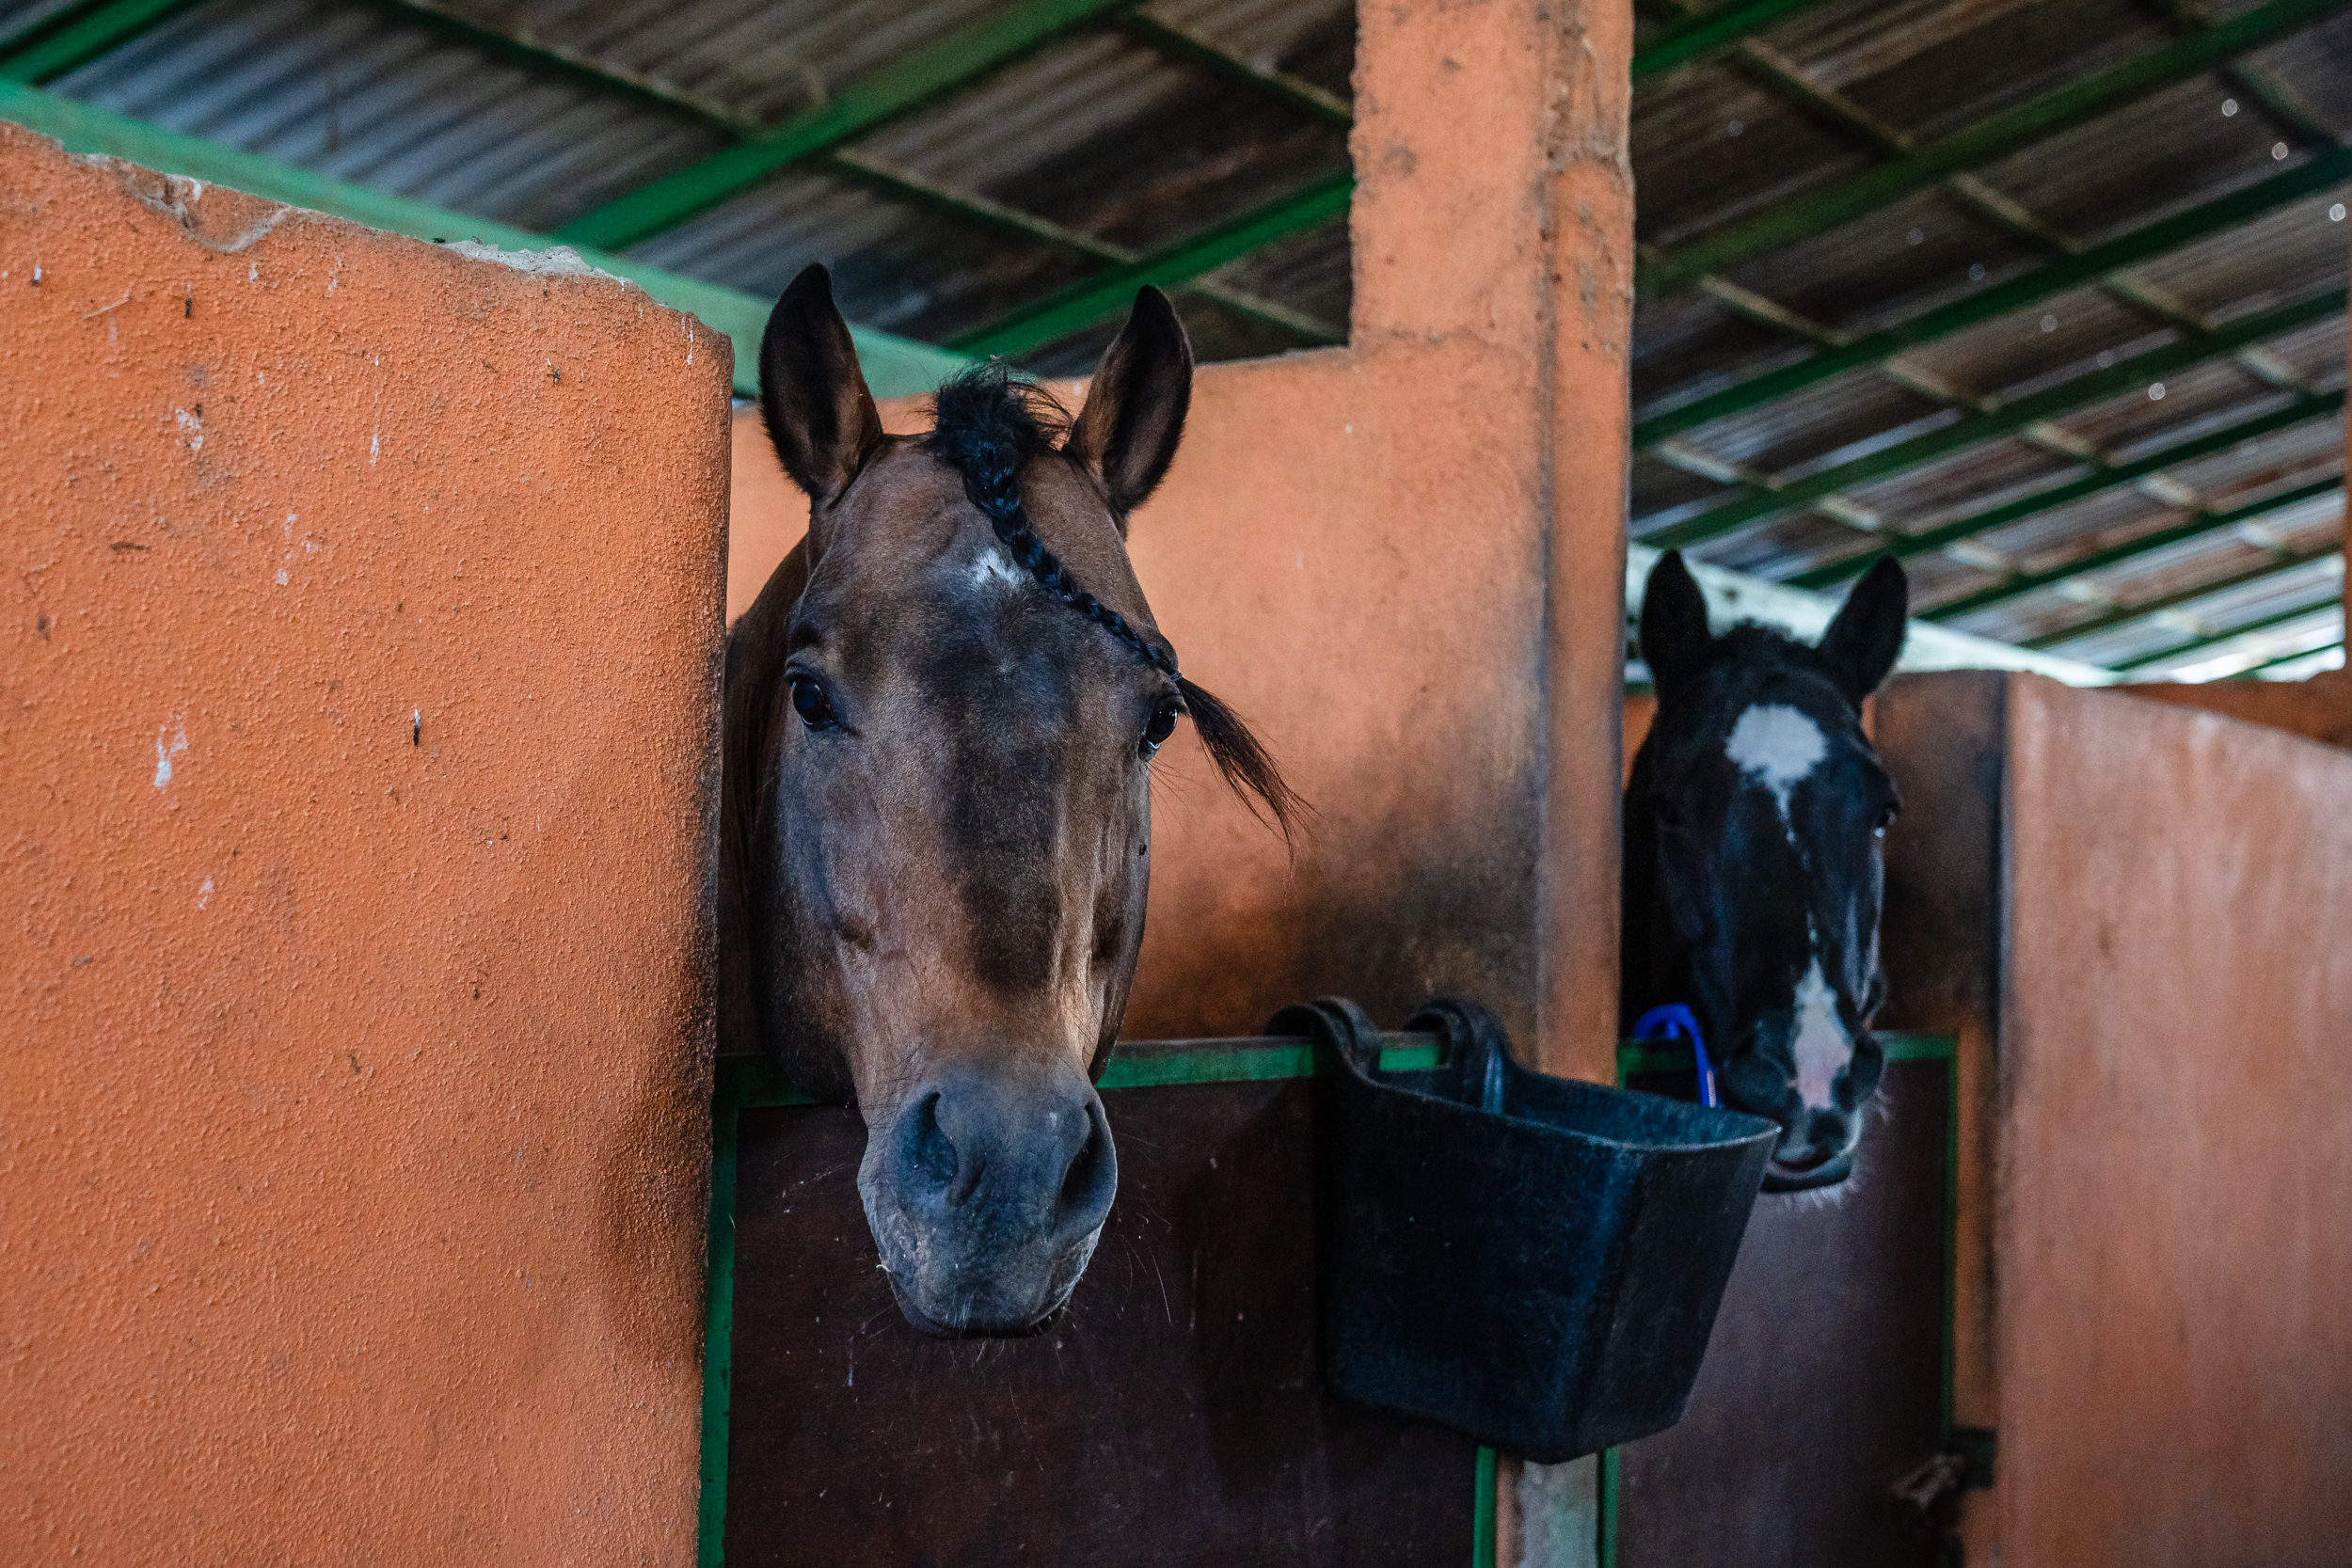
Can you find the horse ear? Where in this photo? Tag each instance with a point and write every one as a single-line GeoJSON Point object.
{"type": "Point", "coordinates": [1126, 435]}
{"type": "Point", "coordinates": [1675, 641]}
{"type": "Point", "coordinates": [1863, 642]}
{"type": "Point", "coordinates": [820, 413]}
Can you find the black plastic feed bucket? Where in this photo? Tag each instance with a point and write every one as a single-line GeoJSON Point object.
{"type": "Point", "coordinates": [1532, 1261]}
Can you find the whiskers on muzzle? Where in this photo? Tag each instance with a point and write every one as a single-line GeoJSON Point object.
{"type": "Point", "coordinates": [987, 1193]}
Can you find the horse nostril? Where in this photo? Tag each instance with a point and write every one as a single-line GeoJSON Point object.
{"type": "Point", "coordinates": [1092, 1179]}
{"type": "Point", "coordinates": [930, 1154]}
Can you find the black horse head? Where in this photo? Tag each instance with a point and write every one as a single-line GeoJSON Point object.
{"type": "Point", "coordinates": [1753, 870]}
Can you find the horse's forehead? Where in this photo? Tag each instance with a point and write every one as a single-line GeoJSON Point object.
{"type": "Point", "coordinates": [1776, 744]}
{"type": "Point", "coordinates": [913, 548]}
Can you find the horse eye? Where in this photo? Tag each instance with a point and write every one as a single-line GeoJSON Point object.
{"type": "Point", "coordinates": [1886, 819]}
{"type": "Point", "coordinates": [1162, 725]}
{"type": "Point", "coordinates": [810, 702]}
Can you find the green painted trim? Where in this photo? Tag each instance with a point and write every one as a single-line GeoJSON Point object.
{"type": "Point", "coordinates": [1605, 1549]}
{"type": "Point", "coordinates": [2279, 618]}
{"type": "Point", "coordinates": [895, 367]}
{"type": "Point", "coordinates": [63, 43]}
{"type": "Point", "coordinates": [757, 1082]}
{"type": "Point", "coordinates": [2204, 522]}
{"type": "Point", "coordinates": [1244, 1062]}
{"type": "Point", "coordinates": [1636, 1057]}
{"type": "Point", "coordinates": [2330, 168]}
{"type": "Point", "coordinates": [1483, 1512]}
{"type": "Point", "coordinates": [1712, 34]}
{"type": "Point", "coordinates": [1970, 430]}
{"type": "Point", "coordinates": [718, 1322]}
{"type": "Point", "coordinates": [899, 88]}
{"type": "Point", "coordinates": [1106, 294]}
{"type": "Point", "coordinates": [2285, 561]}
{"type": "Point", "coordinates": [1987, 141]}
{"type": "Point", "coordinates": [2105, 477]}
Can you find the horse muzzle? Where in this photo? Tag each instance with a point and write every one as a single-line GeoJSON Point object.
{"type": "Point", "coordinates": [1817, 1151]}
{"type": "Point", "coordinates": [986, 1192]}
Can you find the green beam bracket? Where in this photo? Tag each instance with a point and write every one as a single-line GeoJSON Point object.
{"type": "Point", "coordinates": [2286, 561]}
{"type": "Point", "coordinates": [2332, 167]}
{"type": "Point", "coordinates": [1969, 429]}
{"type": "Point", "coordinates": [1106, 294]}
{"type": "Point", "coordinates": [895, 367]}
{"type": "Point", "coordinates": [2302, 410]}
{"type": "Point", "coordinates": [1988, 141]}
{"type": "Point", "coordinates": [66, 40]}
{"type": "Point", "coordinates": [899, 88]}
{"type": "Point", "coordinates": [2098, 561]}
{"type": "Point", "coordinates": [1712, 34]}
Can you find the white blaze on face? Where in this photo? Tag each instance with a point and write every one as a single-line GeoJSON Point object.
{"type": "Point", "coordinates": [1777, 747]}
{"type": "Point", "coordinates": [1821, 1046]}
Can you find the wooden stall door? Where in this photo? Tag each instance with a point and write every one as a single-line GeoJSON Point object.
{"type": "Point", "coordinates": [1173, 1417]}
{"type": "Point", "coordinates": [1826, 1379]}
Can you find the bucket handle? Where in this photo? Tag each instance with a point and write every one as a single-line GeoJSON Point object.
{"type": "Point", "coordinates": [1336, 1021]}
{"type": "Point", "coordinates": [1475, 1045]}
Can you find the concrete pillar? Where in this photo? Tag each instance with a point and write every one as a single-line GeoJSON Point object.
{"type": "Point", "coordinates": [363, 604]}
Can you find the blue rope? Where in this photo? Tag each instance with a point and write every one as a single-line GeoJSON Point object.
{"type": "Point", "coordinates": [1674, 1022]}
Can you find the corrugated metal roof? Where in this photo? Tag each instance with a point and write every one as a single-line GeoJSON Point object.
{"type": "Point", "coordinates": [1116, 138]}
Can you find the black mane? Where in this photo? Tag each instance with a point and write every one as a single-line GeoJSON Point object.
{"type": "Point", "coordinates": [983, 416]}
{"type": "Point", "coordinates": [1751, 646]}
{"type": "Point", "coordinates": [986, 425]}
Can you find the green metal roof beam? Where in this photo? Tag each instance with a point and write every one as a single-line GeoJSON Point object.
{"type": "Point", "coordinates": [2284, 561]}
{"type": "Point", "coordinates": [895, 366]}
{"type": "Point", "coordinates": [533, 54]}
{"type": "Point", "coordinates": [895, 184]}
{"type": "Point", "coordinates": [1712, 34]}
{"type": "Point", "coordinates": [1905, 546]}
{"type": "Point", "coordinates": [1303, 96]}
{"type": "Point", "coordinates": [2332, 167]}
{"type": "Point", "coordinates": [1093, 299]}
{"type": "Point", "coordinates": [2277, 619]}
{"type": "Point", "coordinates": [70, 39]}
{"type": "Point", "coordinates": [904, 185]}
{"type": "Point", "coordinates": [2021, 583]}
{"type": "Point", "coordinates": [899, 88]}
{"type": "Point", "coordinates": [1969, 429]}
{"type": "Point", "coordinates": [2286, 658]}
{"type": "Point", "coordinates": [1987, 141]}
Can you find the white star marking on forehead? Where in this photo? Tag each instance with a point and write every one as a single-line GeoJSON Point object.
{"type": "Point", "coordinates": [1777, 747]}
{"type": "Point", "coordinates": [990, 565]}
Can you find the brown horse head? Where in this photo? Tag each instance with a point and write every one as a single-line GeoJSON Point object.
{"type": "Point", "coordinates": [939, 720]}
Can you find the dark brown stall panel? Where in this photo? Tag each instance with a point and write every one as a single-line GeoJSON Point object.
{"type": "Point", "coordinates": [1824, 1381]}
{"type": "Point", "coordinates": [1171, 1418]}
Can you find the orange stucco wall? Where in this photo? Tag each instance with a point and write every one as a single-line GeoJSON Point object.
{"type": "Point", "coordinates": [353, 1141]}
{"type": "Point", "coordinates": [2176, 1151]}
{"type": "Point", "coordinates": [2319, 707]}
{"type": "Point", "coordinates": [1404, 561]}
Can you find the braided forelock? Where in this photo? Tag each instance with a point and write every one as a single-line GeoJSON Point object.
{"type": "Point", "coordinates": [986, 425]}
